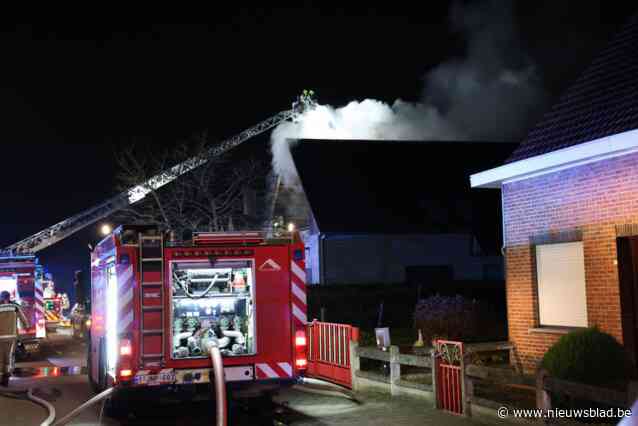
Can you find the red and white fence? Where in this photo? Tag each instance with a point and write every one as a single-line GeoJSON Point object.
{"type": "Point", "coordinates": [329, 351]}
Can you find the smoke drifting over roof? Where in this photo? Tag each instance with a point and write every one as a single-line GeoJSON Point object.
{"type": "Point", "coordinates": [492, 92]}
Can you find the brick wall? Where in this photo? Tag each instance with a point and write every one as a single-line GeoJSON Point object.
{"type": "Point", "coordinates": [590, 200]}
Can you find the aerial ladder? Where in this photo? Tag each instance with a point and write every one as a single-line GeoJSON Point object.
{"type": "Point", "coordinates": [61, 230]}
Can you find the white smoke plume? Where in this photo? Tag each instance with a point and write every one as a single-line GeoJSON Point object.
{"type": "Point", "coordinates": [368, 119]}
{"type": "Point", "coordinates": [493, 93]}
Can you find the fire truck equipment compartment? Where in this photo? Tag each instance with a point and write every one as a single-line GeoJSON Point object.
{"type": "Point", "coordinates": [212, 301]}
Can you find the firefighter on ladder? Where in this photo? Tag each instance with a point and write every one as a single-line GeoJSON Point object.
{"type": "Point", "coordinates": [10, 313]}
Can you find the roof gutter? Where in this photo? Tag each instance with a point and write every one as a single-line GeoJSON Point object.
{"type": "Point", "coordinates": [577, 155]}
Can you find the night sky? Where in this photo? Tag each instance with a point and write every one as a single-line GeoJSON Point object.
{"type": "Point", "coordinates": [70, 95]}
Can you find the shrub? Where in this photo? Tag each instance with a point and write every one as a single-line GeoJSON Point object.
{"type": "Point", "coordinates": [587, 356]}
{"type": "Point", "coordinates": [454, 318]}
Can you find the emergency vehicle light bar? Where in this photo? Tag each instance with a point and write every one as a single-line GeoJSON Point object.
{"type": "Point", "coordinates": [9, 255]}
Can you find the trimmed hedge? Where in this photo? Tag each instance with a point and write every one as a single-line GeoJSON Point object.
{"type": "Point", "coordinates": [588, 356]}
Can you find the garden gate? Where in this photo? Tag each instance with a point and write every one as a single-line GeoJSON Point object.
{"type": "Point", "coordinates": [449, 375]}
{"type": "Point", "coordinates": [329, 351]}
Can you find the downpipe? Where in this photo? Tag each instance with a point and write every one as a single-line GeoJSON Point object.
{"type": "Point", "coordinates": [219, 385]}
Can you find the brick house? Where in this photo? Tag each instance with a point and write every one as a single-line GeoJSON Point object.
{"type": "Point", "coordinates": [570, 210]}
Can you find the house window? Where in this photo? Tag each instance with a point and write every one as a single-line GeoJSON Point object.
{"type": "Point", "coordinates": [561, 284]}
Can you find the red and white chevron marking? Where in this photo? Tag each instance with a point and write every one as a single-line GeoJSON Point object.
{"type": "Point", "coordinates": [273, 370]}
{"type": "Point", "coordinates": [39, 309]}
{"type": "Point", "coordinates": [125, 281]}
{"type": "Point", "coordinates": [298, 290]}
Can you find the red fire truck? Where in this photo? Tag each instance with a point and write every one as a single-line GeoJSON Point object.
{"type": "Point", "coordinates": [259, 359]}
{"type": "Point", "coordinates": [157, 304]}
{"type": "Point", "coordinates": [21, 276]}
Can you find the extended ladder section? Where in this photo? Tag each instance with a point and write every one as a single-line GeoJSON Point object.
{"type": "Point", "coordinates": [152, 336]}
{"type": "Point", "coordinates": [73, 224]}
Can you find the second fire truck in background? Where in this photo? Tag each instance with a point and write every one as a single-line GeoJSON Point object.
{"type": "Point", "coordinates": [22, 277]}
{"type": "Point", "coordinates": [54, 306]}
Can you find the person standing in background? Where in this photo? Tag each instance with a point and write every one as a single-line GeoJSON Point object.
{"type": "Point", "coordinates": [10, 313]}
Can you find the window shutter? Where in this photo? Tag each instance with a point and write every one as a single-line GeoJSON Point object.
{"type": "Point", "coordinates": [562, 299]}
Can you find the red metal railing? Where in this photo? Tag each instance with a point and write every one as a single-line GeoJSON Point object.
{"type": "Point", "coordinates": [329, 351]}
{"type": "Point", "coordinates": [449, 386]}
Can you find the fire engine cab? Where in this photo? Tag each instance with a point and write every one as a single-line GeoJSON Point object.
{"type": "Point", "coordinates": [157, 304]}
{"type": "Point", "coordinates": [21, 276]}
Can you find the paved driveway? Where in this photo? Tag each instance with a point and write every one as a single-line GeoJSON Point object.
{"type": "Point", "coordinates": [374, 409]}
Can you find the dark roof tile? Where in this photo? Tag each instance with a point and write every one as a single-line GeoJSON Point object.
{"type": "Point", "coordinates": [602, 102]}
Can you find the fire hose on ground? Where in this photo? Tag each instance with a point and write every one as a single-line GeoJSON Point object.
{"type": "Point", "coordinates": [219, 389]}
{"type": "Point", "coordinates": [76, 411]}
{"type": "Point", "coordinates": [28, 395]}
{"type": "Point", "coordinates": [46, 404]}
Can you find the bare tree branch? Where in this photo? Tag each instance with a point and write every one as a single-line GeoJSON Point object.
{"type": "Point", "coordinates": [207, 198]}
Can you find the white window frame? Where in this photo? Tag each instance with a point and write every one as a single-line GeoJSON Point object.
{"type": "Point", "coordinates": [561, 285]}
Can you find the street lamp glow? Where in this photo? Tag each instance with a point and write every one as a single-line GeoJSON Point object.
{"type": "Point", "coordinates": [105, 229]}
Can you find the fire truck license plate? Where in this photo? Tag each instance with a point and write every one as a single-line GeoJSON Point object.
{"type": "Point", "coordinates": [155, 379]}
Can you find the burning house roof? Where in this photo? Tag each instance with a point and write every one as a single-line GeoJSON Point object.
{"type": "Point", "coordinates": [398, 187]}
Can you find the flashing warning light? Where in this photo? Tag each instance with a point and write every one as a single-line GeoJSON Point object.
{"type": "Point", "coordinates": [126, 373]}
{"type": "Point", "coordinates": [291, 227]}
{"type": "Point", "coordinates": [300, 348]}
{"type": "Point", "coordinates": [88, 323]}
{"type": "Point", "coordinates": [105, 229]}
{"type": "Point", "coordinates": [125, 348]}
